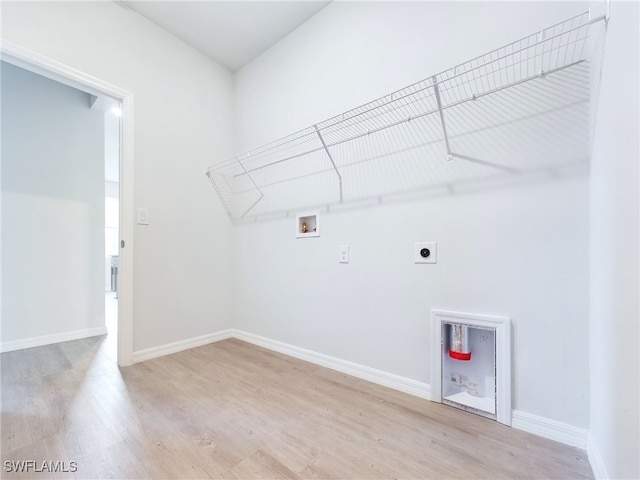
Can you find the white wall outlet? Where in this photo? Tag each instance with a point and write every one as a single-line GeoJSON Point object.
{"type": "Point", "coordinates": [425, 252]}
{"type": "Point", "coordinates": [143, 216]}
{"type": "Point", "coordinates": [343, 254]}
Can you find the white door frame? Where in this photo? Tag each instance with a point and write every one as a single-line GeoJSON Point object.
{"type": "Point", "coordinates": [50, 68]}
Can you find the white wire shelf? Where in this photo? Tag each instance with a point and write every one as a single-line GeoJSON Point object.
{"type": "Point", "coordinates": [521, 108]}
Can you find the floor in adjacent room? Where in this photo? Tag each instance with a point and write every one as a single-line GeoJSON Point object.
{"type": "Point", "coordinates": [234, 410]}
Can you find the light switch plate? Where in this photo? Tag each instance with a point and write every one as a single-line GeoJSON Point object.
{"type": "Point", "coordinates": [425, 252]}
{"type": "Point", "coordinates": [143, 216]}
{"type": "Point", "coordinates": [343, 254]}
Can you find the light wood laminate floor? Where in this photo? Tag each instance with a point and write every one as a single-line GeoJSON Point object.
{"type": "Point", "coordinates": [233, 410]}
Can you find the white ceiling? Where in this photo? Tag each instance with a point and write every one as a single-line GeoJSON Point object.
{"type": "Point", "coordinates": [230, 32]}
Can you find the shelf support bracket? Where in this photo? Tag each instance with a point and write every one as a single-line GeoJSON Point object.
{"type": "Point", "coordinates": [326, 149]}
{"type": "Point", "coordinates": [261, 194]}
{"type": "Point", "coordinates": [444, 125]}
{"type": "Point", "coordinates": [219, 192]}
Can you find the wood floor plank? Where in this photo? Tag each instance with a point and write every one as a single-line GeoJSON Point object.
{"type": "Point", "coordinates": [234, 410]}
{"type": "Point", "coordinates": [260, 465]}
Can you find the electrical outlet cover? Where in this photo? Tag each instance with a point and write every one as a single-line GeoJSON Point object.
{"type": "Point", "coordinates": [143, 216]}
{"type": "Point", "coordinates": [343, 254]}
{"type": "Point", "coordinates": [425, 252]}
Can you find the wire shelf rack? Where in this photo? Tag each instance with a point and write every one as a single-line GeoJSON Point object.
{"type": "Point", "coordinates": [522, 108]}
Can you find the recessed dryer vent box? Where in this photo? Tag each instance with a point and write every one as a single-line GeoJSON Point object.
{"type": "Point", "coordinates": [471, 363]}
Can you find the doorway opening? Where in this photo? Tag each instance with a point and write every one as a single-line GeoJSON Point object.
{"type": "Point", "coordinates": [53, 69]}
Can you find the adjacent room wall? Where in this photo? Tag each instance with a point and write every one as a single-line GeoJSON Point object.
{"type": "Point", "coordinates": [52, 208]}
{"type": "Point", "coordinates": [519, 252]}
{"type": "Point", "coordinates": [615, 241]}
{"type": "Point", "coordinates": [182, 103]}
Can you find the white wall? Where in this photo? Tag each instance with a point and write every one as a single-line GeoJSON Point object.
{"type": "Point", "coordinates": [52, 208]}
{"type": "Point", "coordinates": [519, 252]}
{"type": "Point", "coordinates": [615, 241]}
{"type": "Point", "coordinates": [379, 310]}
{"type": "Point", "coordinates": [183, 120]}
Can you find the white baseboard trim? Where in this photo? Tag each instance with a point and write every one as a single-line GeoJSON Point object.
{"type": "Point", "coordinates": [595, 459]}
{"type": "Point", "coordinates": [50, 339]}
{"type": "Point", "coordinates": [403, 384]}
{"type": "Point", "coordinates": [551, 429]}
{"type": "Point", "coordinates": [541, 426]}
{"type": "Point", "coordinates": [169, 348]}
